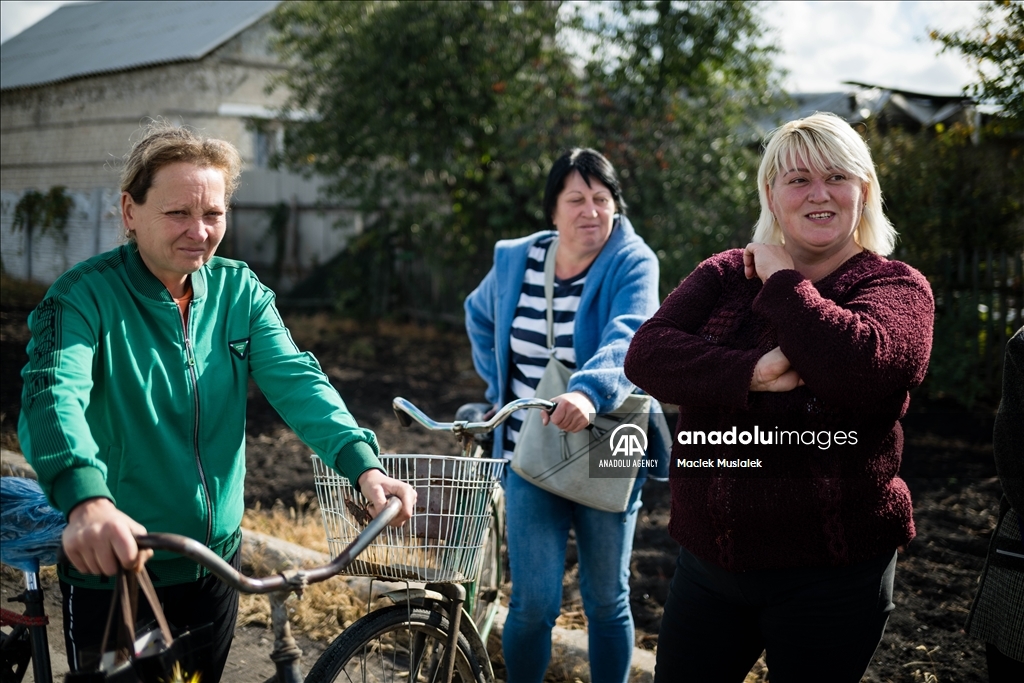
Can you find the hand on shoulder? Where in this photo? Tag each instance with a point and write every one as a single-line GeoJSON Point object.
{"type": "Point", "coordinates": [764, 260]}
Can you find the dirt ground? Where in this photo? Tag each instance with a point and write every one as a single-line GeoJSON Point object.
{"type": "Point", "coordinates": [947, 464]}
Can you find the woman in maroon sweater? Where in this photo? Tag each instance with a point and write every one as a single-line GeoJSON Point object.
{"type": "Point", "coordinates": [791, 362]}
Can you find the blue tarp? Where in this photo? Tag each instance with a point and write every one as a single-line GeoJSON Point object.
{"type": "Point", "coordinates": [30, 529]}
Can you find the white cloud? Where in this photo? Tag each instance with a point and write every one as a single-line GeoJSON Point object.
{"type": "Point", "coordinates": [15, 17]}
{"type": "Point", "coordinates": [823, 43]}
{"type": "Point", "coordinates": [885, 43]}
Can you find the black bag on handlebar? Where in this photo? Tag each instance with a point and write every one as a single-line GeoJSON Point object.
{"type": "Point", "coordinates": [150, 656]}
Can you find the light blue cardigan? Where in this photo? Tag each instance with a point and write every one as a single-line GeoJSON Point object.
{"type": "Point", "coordinates": [620, 293]}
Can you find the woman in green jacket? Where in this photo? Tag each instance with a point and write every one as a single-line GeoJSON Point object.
{"type": "Point", "coordinates": [133, 409]}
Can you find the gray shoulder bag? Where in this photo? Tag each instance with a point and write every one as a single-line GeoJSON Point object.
{"type": "Point", "coordinates": [560, 462]}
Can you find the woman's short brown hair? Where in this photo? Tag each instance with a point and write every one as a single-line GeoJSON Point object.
{"type": "Point", "coordinates": [164, 144]}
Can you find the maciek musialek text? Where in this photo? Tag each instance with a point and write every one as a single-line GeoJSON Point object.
{"type": "Point", "coordinates": [719, 463]}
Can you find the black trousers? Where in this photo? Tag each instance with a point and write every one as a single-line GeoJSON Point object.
{"type": "Point", "coordinates": [814, 624]}
{"type": "Point", "coordinates": [1002, 669]}
{"type": "Point", "coordinates": [186, 606]}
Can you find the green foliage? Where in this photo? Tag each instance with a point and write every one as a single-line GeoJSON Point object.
{"type": "Point", "coordinates": [44, 212]}
{"type": "Point", "coordinates": [996, 48]}
{"type": "Point", "coordinates": [956, 367]}
{"type": "Point", "coordinates": [952, 201]}
{"type": "Point", "coordinates": [944, 193]}
{"type": "Point", "coordinates": [675, 97]}
{"type": "Point", "coordinates": [442, 119]}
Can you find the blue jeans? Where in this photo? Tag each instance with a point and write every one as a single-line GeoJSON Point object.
{"type": "Point", "coordinates": [538, 530]}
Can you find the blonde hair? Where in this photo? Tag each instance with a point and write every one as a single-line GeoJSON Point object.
{"type": "Point", "coordinates": [824, 141]}
{"type": "Point", "coordinates": [163, 144]}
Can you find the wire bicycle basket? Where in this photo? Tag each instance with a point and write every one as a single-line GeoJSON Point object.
{"type": "Point", "coordinates": [444, 540]}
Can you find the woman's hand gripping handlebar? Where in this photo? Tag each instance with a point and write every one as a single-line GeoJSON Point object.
{"type": "Point", "coordinates": [406, 413]}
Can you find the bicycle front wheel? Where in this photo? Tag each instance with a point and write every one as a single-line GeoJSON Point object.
{"type": "Point", "coordinates": [398, 643]}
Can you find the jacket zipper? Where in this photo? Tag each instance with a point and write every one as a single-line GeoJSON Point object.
{"type": "Point", "coordinates": [190, 357]}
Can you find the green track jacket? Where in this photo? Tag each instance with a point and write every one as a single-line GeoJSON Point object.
{"type": "Point", "coordinates": [121, 401]}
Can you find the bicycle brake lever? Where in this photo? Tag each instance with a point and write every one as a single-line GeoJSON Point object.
{"type": "Point", "coordinates": [403, 417]}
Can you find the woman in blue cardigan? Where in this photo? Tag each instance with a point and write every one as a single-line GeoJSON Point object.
{"type": "Point", "coordinates": [606, 285]}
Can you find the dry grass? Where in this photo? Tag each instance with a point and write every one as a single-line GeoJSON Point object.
{"type": "Point", "coordinates": [298, 523]}
{"type": "Point", "coordinates": [13, 580]}
{"type": "Point", "coordinates": [759, 674]}
{"type": "Point", "coordinates": [325, 609]}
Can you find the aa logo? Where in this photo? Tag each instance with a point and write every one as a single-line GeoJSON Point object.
{"type": "Point", "coordinates": [629, 441]}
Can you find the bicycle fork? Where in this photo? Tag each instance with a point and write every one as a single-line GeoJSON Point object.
{"type": "Point", "coordinates": [286, 652]}
{"type": "Point", "coordinates": [456, 594]}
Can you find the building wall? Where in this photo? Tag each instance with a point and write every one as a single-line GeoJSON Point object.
{"type": "Point", "coordinates": [314, 233]}
{"type": "Point", "coordinates": [76, 134]}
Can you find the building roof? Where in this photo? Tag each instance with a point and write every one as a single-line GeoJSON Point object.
{"type": "Point", "coordinates": [92, 38]}
{"type": "Point", "coordinates": [863, 101]}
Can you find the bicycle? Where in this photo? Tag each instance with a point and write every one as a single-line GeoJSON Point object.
{"type": "Point", "coordinates": [422, 637]}
{"type": "Point", "coordinates": [440, 556]}
{"type": "Point", "coordinates": [28, 640]}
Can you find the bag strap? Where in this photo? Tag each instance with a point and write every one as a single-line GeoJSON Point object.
{"type": "Point", "coordinates": [549, 292]}
{"type": "Point", "coordinates": [115, 598]}
{"type": "Point", "coordinates": [126, 593]}
{"type": "Point", "coordinates": [154, 602]}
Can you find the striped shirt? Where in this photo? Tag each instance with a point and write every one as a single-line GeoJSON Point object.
{"type": "Point", "coordinates": [529, 346]}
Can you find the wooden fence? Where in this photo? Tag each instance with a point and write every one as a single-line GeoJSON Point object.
{"type": "Point", "coordinates": [979, 298]}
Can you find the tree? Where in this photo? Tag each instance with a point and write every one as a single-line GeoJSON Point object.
{"type": "Point", "coordinates": [45, 212]}
{"type": "Point", "coordinates": [996, 47]}
{"type": "Point", "coordinates": [676, 95]}
{"type": "Point", "coordinates": [440, 118]}
{"type": "Point", "coordinates": [946, 194]}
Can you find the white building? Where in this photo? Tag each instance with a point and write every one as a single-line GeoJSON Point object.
{"type": "Point", "coordinates": [76, 90]}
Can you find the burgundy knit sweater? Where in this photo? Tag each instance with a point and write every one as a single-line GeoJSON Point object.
{"type": "Point", "coordinates": [859, 338]}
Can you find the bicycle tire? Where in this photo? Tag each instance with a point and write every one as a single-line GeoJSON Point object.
{"type": "Point", "coordinates": [397, 643]}
{"type": "Point", "coordinates": [16, 648]}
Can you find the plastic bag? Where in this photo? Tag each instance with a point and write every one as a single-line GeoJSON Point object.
{"type": "Point", "coordinates": [30, 529]}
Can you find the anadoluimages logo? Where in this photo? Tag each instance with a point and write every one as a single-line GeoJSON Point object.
{"type": "Point", "coordinates": [628, 441]}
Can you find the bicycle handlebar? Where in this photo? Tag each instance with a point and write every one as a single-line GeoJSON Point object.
{"type": "Point", "coordinates": [406, 411]}
{"type": "Point", "coordinates": [291, 579]}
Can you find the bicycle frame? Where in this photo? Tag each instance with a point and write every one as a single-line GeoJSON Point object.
{"type": "Point", "coordinates": [33, 624]}
{"type": "Point", "coordinates": [449, 598]}
{"type": "Point", "coordinates": [407, 413]}
{"type": "Point", "coordinates": [286, 652]}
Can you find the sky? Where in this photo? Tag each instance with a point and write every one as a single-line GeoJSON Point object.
{"type": "Point", "coordinates": [882, 43]}
{"type": "Point", "coordinates": [823, 43]}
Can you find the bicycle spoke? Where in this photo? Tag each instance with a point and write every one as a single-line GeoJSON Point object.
{"type": "Point", "coordinates": [396, 645]}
